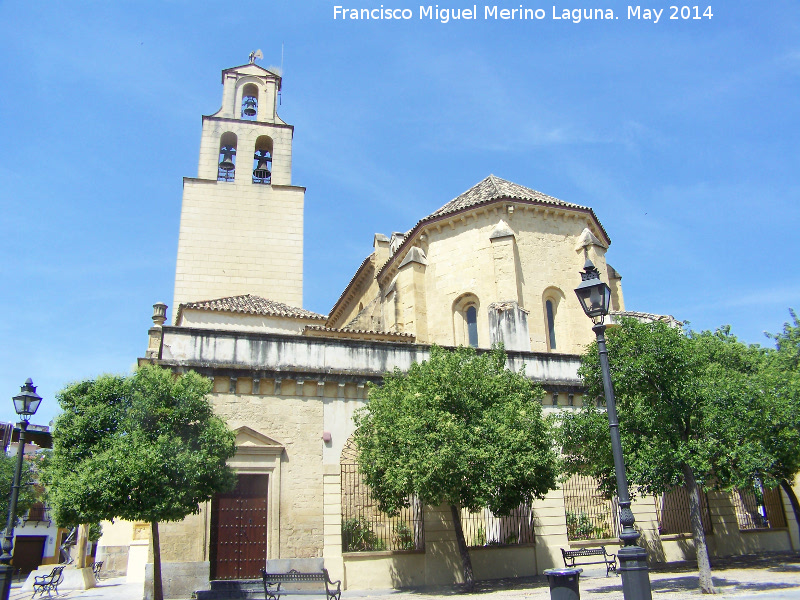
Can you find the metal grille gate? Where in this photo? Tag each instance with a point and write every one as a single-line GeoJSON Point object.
{"type": "Point", "coordinates": [239, 529]}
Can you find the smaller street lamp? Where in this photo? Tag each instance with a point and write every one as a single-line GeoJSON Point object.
{"type": "Point", "coordinates": [595, 298]}
{"type": "Point", "coordinates": [594, 294]}
{"type": "Point", "coordinates": [26, 403]}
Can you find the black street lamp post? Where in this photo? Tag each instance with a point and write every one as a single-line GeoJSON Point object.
{"type": "Point", "coordinates": [26, 404]}
{"type": "Point", "coordinates": [595, 298]}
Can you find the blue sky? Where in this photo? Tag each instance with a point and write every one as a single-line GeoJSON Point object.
{"type": "Point", "coordinates": [681, 134]}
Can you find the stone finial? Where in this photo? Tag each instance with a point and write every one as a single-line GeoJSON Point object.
{"type": "Point", "coordinates": [159, 313]}
{"type": "Point", "coordinates": [396, 241]}
{"type": "Point", "coordinates": [587, 238]}
{"type": "Point", "coordinates": [501, 230]}
{"type": "Point", "coordinates": [416, 255]}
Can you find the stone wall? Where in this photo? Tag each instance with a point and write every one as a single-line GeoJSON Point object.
{"type": "Point", "coordinates": [295, 420]}
{"type": "Point", "coordinates": [240, 238]}
{"type": "Point", "coordinates": [178, 579]}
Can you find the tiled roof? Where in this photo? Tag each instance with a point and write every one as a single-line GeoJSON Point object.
{"type": "Point", "coordinates": [489, 190]}
{"type": "Point", "coordinates": [353, 279]}
{"type": "Point", "coordinates": [250, 305]}
{"type": "Point", "coordinates": [494, 188]}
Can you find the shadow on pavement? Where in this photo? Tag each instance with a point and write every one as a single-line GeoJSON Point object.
{"type": "Point", "coordinates": [692, 582]}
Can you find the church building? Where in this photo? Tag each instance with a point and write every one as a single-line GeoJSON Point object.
{"type": "Point", "coordinates": [497, 263]}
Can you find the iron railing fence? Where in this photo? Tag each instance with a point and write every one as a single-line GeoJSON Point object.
{"type": "Point", "coordinates": [365, 528]}
{"type": "Point", "coordinates": [759, 508]}
{"type": "Point", "coordinates": [483, 528]}
{"type": "Point", "coordinates": [672, 510]}
{"type": "Point", "coordinates": [589, 514]}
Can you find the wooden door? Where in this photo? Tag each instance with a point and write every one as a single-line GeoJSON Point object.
{"type": "Point", "coordinates": [28, 552]}
{"type": "Point", "coordinates": [239, 529]}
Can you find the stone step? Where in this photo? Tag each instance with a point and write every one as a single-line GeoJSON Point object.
{"type": "Point", "coordinates": [229, 594]}
{"type": "Point", "coordinates": [233, 589]}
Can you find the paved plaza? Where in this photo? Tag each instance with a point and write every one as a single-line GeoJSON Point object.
{"type": "Point", "coordinates": [759, 578]}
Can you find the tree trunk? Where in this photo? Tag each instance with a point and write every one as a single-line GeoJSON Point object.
{"type": "Point", "coordinates": [699, 535]}
{"type": "Point", "coordinates": [158, 593]}
{"type": "Point", "coordinates": [466, 562]}
{"type": "Point", "coordinates": [787, 487]}
{"type": "Point", "coordinates": [80, 546]}
{"type": "Point", "coordinates": [418, 524]}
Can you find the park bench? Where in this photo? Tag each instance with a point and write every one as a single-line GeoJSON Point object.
{"type": "Point", "coordinates": [96, 568]}
{"type": "Point", "coordinates": [48, 583]}
{"type": "Point", "coordinates": [294, 583]}
{"type": "Point", "coordinates": [609, 560]}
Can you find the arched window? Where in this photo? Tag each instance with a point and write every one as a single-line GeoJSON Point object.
{"type": "Point", "coordinates": [250, 102]}
{"type": "Point", "coordinates": [262, 160]}
{"type": "Point", "coordinates": [551, 324]}
{"type": "Point", "coordinates": [465, 320]}
{"type": "Point", "coordinates": [551, 299]}
{"type": "Point", "coordinates": [227, 157]}
{"type": "Point", "coordinates": [472, 326]}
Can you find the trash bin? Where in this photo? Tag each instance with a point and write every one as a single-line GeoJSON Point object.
{"type": "Point", "coordinates": [564, 583]}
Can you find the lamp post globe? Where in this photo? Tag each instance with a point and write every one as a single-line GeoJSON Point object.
{"type": "Point", "coordinates": [594, 296]}
{"type": "Point", "coordinates": [26, 403]}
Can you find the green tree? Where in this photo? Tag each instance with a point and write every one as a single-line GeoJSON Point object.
{"type": "Point", "coordinates": [768, 435]}
{"type": "Point", "coordinates": [755, 401]}
{"type": "Point", "coordinates": [783, 428]}
{"type": "Point", "coordinates": [146, 447]}
{"type": "Point", "coordinates": [458, 429]}
{"type": "Point", "coordinates": [677, 396]}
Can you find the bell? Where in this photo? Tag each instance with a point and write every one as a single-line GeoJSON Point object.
{"type": "Point", "coordinates": [261, 171]}
{"type": "Point", "coordinates": [226, 164]}
{"type": "Point", "coordinates": [249, 106]}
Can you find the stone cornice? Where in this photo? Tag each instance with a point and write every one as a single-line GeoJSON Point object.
{"type": "Point", "coordinates": [269, 355]}
{"type": "Point", "coordinates": [240, 121]}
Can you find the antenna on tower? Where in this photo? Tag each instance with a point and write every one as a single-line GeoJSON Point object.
{"type": "Point", "coordinates": [257, 54]}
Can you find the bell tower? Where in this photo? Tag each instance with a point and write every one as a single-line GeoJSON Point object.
{"type": "Point", "coordinates": [241, 228]}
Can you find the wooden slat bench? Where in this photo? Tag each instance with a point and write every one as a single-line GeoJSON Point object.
{"type": "Point", "coordinates": [274, 581]}
{"type": "Point", "coordinates": [48, 583]}
{"type": "Point", "coordinates": [609, 560]}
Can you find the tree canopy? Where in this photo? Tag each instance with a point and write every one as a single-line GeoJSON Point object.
{"type": "Point", "coordinates": [458, 429]}
{"type": "Point", "coordinates": [146, 447]}
{"type": "Point", "coordinates": [680, 399]}
{"type": "Point", "coordinates": [28, 491]}
{"type": "Point", "coordinates": [773, 427]}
